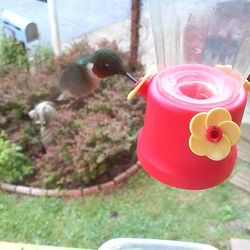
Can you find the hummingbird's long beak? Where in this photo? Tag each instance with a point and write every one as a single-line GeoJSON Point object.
{"type": "Point", "coordinates": [130, 77]}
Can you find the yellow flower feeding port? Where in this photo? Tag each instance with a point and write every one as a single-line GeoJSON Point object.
{"type": "Point", "coordinates": [213, 134]}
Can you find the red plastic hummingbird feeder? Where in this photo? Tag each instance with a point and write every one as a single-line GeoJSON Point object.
{"type": "Point", "coordinates": [196, 100]}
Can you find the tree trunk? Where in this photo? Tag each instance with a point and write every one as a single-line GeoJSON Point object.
{"type": "Point", "coordinates": [134, 41]}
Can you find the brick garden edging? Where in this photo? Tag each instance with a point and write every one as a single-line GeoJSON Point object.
{"type": "Point", "coordinates": [118, 180]}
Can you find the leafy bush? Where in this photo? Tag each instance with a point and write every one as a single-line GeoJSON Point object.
{"type": "Point", "coordinates": [12, 52]}
{"type": "Point", "coordinates": [42, 55]}
{"type": "Point", "coordinates": [92, 140]}
{"type": "Point", "coordinates": [90, 143]}
{"type": "Point", "coordinates": [14, 166]}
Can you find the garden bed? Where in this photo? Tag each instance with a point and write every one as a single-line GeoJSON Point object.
{"type": "Point", "coordinates": [77, 192]}
{"type": "Point", "coordinates": [93, 143]}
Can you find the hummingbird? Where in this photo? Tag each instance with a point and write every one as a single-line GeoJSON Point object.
{"type": "Point", "coordinates": [82, 77]}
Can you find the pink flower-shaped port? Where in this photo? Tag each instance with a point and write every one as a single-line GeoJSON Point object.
{"type": "Point", "coordinates": [213, 134]}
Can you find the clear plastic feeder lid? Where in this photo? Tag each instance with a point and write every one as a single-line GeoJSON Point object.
{"type": "Point", "coordinates": [211, 32]}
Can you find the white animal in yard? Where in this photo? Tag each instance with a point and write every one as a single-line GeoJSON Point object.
{"type": "Point", "coordinates": [43, 113]}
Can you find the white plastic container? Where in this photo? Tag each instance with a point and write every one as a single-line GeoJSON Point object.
{"type": "Point", "coordinates": [151, 244]}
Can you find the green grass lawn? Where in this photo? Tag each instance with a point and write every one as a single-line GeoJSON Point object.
{"type": "Point", "coordinates": [142, 207]}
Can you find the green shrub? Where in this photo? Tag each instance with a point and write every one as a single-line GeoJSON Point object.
{"type": "Point", "coordinates": [42, 55]}
{"type": "Point", "coordinates": [14, 166]}
{"type": "Point", "coordinates": [12, 52]}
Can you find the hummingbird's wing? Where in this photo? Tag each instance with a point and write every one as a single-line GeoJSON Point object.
{"type": "Point", "coordinates": [73, 80]}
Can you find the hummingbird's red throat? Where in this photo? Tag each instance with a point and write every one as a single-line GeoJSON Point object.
{"type": "Point", "coordinates": [100, 73]}
{"type": "Point", "coordinates": [92, 73]}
